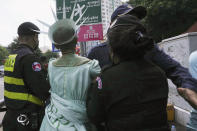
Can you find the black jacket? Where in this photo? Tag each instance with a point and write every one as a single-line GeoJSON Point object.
{"type": "Point", "coordinates": [25, 81]}
{"type": "Point", "coordinates": [130, 96]}
{"type": "Point", "coordinates": [100, 53]}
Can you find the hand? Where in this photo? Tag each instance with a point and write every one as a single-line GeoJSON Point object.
{"type": "Point", "coordinates": [189, 95]}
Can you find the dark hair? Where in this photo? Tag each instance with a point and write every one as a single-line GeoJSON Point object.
{"type": "Point", "coordinates": [129, 43]}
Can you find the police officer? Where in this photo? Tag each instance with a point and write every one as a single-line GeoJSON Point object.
{"type": "Point", "coordinates": [25, 84]}
{"type": "Point", "coordinates": [100, 53]}
{"type": "Point", "coordinates": [173, 69]}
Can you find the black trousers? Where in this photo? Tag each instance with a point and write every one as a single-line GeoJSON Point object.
{"type": "Point", "coordinates": [10, 123]}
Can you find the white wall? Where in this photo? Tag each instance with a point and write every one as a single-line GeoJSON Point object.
{"type": "Point", "coordinates": [179, 48]}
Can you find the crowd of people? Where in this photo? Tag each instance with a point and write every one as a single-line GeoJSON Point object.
{"type": "Point", "coordinates": [121, 86]}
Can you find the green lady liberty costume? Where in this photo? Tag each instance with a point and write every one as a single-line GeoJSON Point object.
{"type": "Point", "coordinates": [70, 77]}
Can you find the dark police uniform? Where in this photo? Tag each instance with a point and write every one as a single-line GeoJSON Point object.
{"type": "Point", "coordinates": [100, 53]}
{"type": "Point", "coordinates": [130, 96]}
{"type": "Point", "coordinates": [26, 88]}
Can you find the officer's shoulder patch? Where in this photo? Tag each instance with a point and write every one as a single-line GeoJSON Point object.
{"type": "Point", "coordinates": [36, 66]}
{"type": "Point", "coordinates": [99, 81]}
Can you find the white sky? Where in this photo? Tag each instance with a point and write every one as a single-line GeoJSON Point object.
{"type": "Point", "coordinates": [124, 0]}
{"type": "Point", "coordinates": [15, 12]}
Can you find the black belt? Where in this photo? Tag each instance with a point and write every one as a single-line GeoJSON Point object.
{"type": "Point", "coordinates": [3, 109]}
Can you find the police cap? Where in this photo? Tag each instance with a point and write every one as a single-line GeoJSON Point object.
{"type": "Point", "coordinates": [139, 11]}
{"type": "Point", "coordinates": [28, 28]}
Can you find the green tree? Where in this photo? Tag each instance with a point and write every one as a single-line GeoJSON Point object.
{"type": "Point", "coordinates": [15, 44]}
{"type": "Point", "coordinates": [49, 54]}
{"type": "Point", "coordinates": [3, 54]}
{"type": "Point", "coordinates": [168, 18]}
{"type": "Point", "coordinates": [38, 52]}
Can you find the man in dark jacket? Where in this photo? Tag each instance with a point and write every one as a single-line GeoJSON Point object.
{"type": "Point", "coordinates": [25, 84]}
{"type": "Point", "coordinates": [100, 53]}
{"type": "Point", "coordinates": [174, 71]}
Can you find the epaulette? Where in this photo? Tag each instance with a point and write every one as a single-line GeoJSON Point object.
{"type": "Point", "coordinates": [101, 45]}
{"type": "Point", "coordinates": [22, 50]}
{"type": "Point", "coordinates": [106, 67]}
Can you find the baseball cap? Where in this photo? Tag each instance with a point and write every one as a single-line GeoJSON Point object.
{"type": "Point", "coordinates": [128, 20]}
{"type": "Point", "coordinates": [140, 11]}
{"type": "Point", "coordinates": [28, 28]}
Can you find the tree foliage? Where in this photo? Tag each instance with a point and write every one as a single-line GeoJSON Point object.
{"type": "Point", "coordinates": [16, 43]}
{"type": "Point", "coordinates": [13, 45]}
{"type": "Point", "coordinates": [168, 18]}
{"type": "Point", "coordinates": [38, 52]}
{"type": "Point", "coordinates": [49, 54]}
{"type": "Point", "coordinates": [3, 54]}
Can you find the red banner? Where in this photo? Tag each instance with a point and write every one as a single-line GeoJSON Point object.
{"type": "Point", "coordinates": [90, 33]}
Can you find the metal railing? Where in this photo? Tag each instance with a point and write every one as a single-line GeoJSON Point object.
{"type": "Point", "coordinates": [2, 108]}
{"type": "Point", "coordinates": [2, 103]}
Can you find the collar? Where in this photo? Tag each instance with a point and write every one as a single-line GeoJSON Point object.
{"type": "Point", "coordinates": [70, 60]}
{"type": "Point", "coordinates": [25, 45]}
